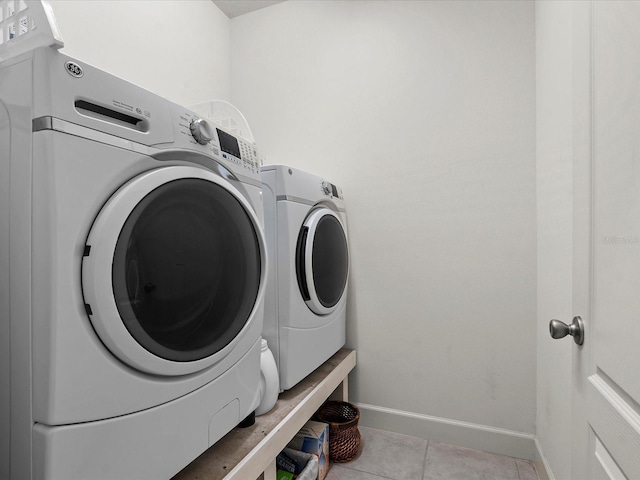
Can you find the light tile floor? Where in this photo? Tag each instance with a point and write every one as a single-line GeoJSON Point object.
{"type": "Point", "coordinates": [391, 456]}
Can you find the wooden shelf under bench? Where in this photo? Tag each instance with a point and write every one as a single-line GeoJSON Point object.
{"type": "Point", "coordinates": [245, 453]}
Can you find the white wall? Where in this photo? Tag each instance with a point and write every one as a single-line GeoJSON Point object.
{"type": "Point", "coordinates": [424, 113]}
{"type": "Point", "coordinates": [177, 49]}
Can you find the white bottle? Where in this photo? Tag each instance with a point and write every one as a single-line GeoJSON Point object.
{"type": "Point", "coordinates": [269, 380]}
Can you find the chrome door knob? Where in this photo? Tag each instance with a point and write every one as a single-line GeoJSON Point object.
{"type": "Point", "coordinates": [559, 329]}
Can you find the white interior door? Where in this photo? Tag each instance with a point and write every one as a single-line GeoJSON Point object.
{"type": "Point", "coordinates": [612, 391]}
{"type": "Point", "coordinates": [589, 236]}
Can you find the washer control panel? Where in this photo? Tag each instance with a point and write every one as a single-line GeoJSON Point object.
{"type": "Point", "coordinates": [201, 134]}
{"type": "Point", "coordinates": [238, 151]}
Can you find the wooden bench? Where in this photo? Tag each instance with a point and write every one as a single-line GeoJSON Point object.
{"type": "Point", "coordinates": [246, 453]}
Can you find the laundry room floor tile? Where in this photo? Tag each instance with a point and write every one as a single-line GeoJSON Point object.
{"type": "Point", "coordinates": [391, 456]}
{"type": "Point", "coordinates": [452, 462]}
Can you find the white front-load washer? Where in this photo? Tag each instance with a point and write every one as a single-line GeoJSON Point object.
{"type": "Point", "coordinates": [132, 275]}
{"type": "Point", "coordinates": [305, 304]}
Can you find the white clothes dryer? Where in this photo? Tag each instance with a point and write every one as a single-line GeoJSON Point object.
{"type": "Point", "coordinates": [132, 275]}
{"type": "Point", "coordinates": [305, 304]}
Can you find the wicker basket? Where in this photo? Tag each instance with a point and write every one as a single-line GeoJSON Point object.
{"type": "Point", "coordinates": [344, 436]}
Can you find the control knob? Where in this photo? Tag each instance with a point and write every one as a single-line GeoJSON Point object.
{"type": "Point", "coordinates": [201, 131]}
{"type": "Point", "coordinates": [326, 188]}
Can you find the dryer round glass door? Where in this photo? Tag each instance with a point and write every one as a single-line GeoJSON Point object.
{"type": "Point", "coordinates": [322, 261]}
{"type": "Point", "coordinates": [174, 266]}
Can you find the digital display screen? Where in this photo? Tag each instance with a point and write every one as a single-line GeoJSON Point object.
{"type": "Point", "coordinates": [229, 143]}
{"type": "Point", "coordinates": [334, 190]}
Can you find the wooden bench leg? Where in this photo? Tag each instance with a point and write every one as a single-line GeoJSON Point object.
{"type": "Point", "coordinates": [270, 472]}
{"type": "Point", "coordinates": [342, 392]}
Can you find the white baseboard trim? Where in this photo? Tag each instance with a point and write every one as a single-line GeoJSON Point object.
{"type": "Point", "coordinates": [463, 434]}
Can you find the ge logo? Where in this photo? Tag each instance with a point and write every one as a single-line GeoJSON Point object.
{"type": "Point", "coordinates": [73, 69]}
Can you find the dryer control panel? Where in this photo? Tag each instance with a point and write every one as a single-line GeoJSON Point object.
{"type": "Point", "coordinates": [331, 190]}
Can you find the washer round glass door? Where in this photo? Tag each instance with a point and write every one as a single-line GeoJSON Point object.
{"type": "Point", "coordinates": [172, 271]}
{"type": "Point", "coordinates": [322, 261]}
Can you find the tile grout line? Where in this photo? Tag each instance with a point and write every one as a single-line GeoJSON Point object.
{"type": "Point", "coordinates": [424, 462]}
{"type": "Point", "coordinates": [530, 463]}
{"type": "Point", "coordinates": [346, 466]}
{"type": "Point", "coordinates": [364, 471]}
{"type": "Point", "coordinates": [535, 470]}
